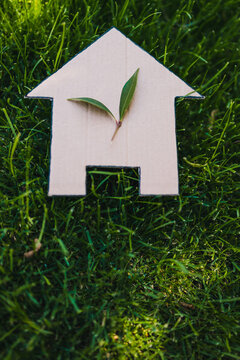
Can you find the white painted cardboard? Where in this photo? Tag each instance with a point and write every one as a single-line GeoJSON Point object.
{"type": "Point", "coordinates": [81, 134]}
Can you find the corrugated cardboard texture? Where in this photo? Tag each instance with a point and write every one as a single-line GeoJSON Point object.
{"type": "Point", "coordinates": [81, 134]}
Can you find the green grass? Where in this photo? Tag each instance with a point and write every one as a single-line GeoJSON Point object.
{"type": "Point", "coordinates": [120, 276]}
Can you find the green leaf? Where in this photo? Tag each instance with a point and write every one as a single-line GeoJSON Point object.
{"type": "Point", "coordinates": [127, 94]}
{"type": "Point", "coordinates": [93, 102]}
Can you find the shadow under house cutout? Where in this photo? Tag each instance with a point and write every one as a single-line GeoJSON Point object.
{"type": "Point", "coordinates": [81, 133]}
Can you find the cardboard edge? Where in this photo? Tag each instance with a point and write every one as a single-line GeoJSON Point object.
{"type": "Point", "coordinates": [37, 97]}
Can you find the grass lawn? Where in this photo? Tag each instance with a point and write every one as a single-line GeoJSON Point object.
{"type": "Point", "coordinates": [120, 276]}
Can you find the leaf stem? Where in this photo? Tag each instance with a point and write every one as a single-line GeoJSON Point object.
{"type": "Point", "coordinates": [119, 124]}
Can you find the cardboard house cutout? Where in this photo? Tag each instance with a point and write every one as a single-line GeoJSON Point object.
{"type": "Point", "coordinates": [81, 134]}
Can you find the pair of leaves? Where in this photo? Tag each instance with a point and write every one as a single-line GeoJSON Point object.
{"type": "Point", "coordinates": [125, 100]}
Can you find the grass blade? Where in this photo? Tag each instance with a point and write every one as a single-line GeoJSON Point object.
{"type": "Point", "coordinates": [127, 94]}
{"type": "Point", "coordinates": [9, 122]}
{"type": "Point", "coordinates": [95, 103]}
{"type": "Point", "coordinates": [16, 140]}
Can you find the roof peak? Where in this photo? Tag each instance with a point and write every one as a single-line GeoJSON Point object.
{"type": "Point", "coordinates": [115, 40]}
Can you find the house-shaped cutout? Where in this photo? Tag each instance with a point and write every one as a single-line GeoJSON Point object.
{"type": "Point", "coordinates": [81, 134]}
